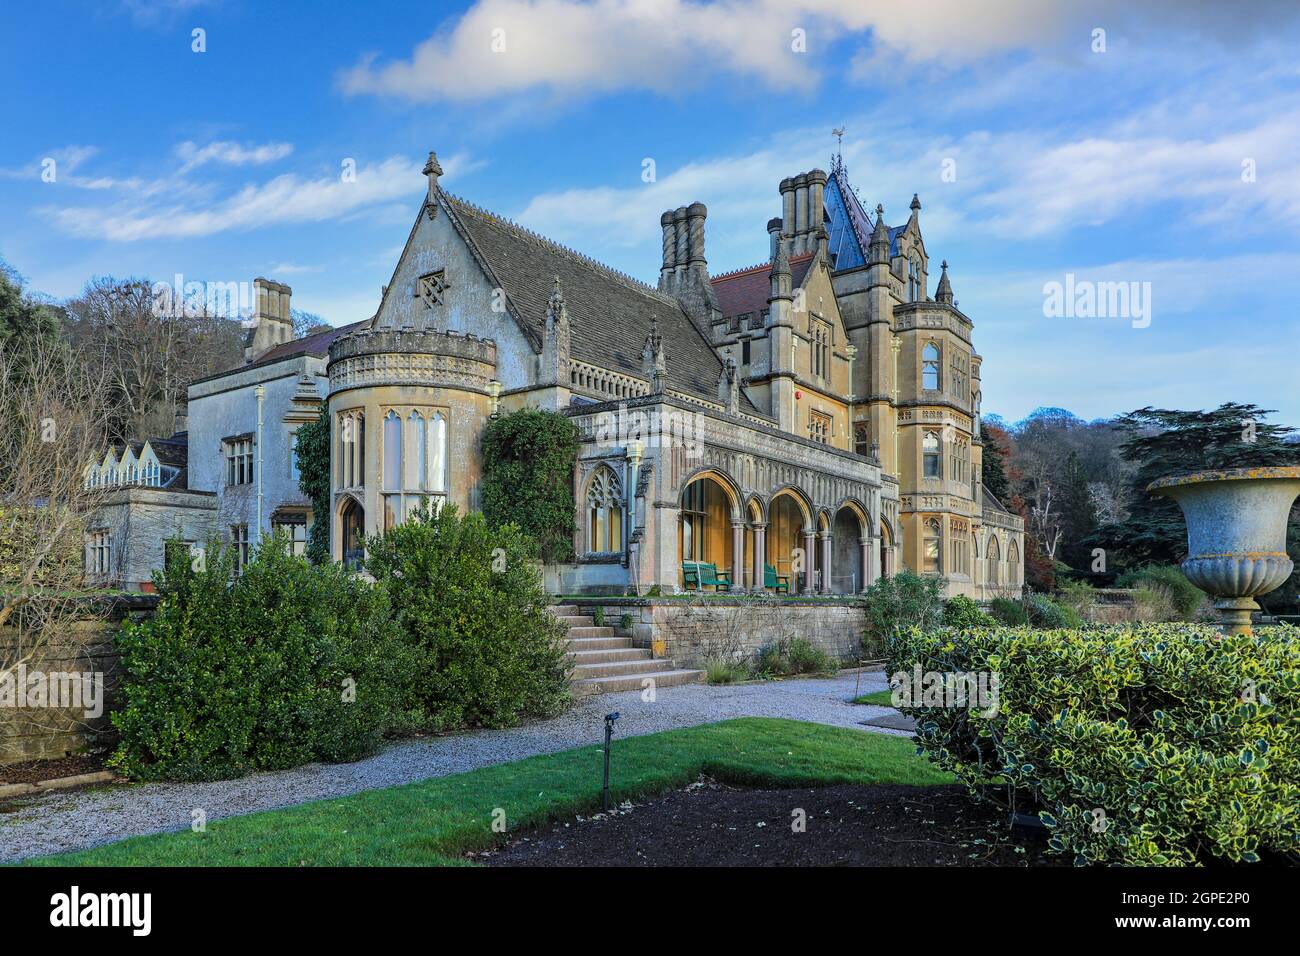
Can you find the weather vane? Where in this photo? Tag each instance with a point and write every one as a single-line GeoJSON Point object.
{"type": "Point", "coordinates": [838, 162]}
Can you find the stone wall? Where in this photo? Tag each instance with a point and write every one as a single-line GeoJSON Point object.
{"type": "Point", "coordinates": [691, 630]}
{"type": "Point", "coordinates": [85, 647]}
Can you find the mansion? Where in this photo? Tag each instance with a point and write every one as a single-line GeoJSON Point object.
{"type": "Point", "coordinates": [812, 420]}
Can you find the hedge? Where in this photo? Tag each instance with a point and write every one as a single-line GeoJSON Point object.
{"type": "Point", "coordinates": [1164, 744]}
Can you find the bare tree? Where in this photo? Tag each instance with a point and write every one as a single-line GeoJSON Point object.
{"type": "Point", "coordinates": [151, 353]}
{"type": "Point", "coordinates": [55, 414]}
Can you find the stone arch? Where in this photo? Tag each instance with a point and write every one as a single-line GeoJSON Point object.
{"type": "Point", "coordinates": [728, 484]}
{"type": "Point", "coordinates": [710, 522]}
{"type": "Point", "coordinates": [351, 515]}
{"type": "Point", "coordinates": [602, 511]}
{"type": "Point", "coordinates": [800, 499]}
{"type": "Point", "coordinates": [755, 510]}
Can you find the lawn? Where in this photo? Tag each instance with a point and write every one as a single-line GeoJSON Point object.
{"type": "Point", "coordinates": [881, 698]}
{"type": "Point", "coordinates": [436, 821]}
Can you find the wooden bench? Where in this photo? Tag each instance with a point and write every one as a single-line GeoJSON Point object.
{"type": "Point", "coordinates": [697, 575]}
{"type": "Point", "coordinates": [781, 582]}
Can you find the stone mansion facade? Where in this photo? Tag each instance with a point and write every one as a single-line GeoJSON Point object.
{"type": "Point", "coordinates": [814, 418]}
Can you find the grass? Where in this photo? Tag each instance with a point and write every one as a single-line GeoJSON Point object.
{"type": "Point", "coordinates": [881, 698]}
{"type": "Point", "coordinates": [436, 821]}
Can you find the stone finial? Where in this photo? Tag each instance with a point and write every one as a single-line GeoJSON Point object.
{"type": "Point", "coordinates": [653, 364]}
{"type": "Point", "coordinates": [878, 248]}
{"type": "Point", "coordinates": [943, 293]}
{"type": "Point", "coordinates": [729, 385]}
{"type": "Point", "coordinates": [555, 308]}
{"type": "Point", "coordinates": [916, 203]}
{"type": "Point", "coordinates": [433, 169]}
{"type": "Point", "coordinates": [555, 341]}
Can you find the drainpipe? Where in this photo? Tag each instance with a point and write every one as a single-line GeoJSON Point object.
{"type": "Point", "coordinates": [260, 392]}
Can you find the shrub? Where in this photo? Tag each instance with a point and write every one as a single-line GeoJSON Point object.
{"type": "Point", "coordinates": [805, 657]}
{"type": "Point", "coordinates": [1009, 612]}
{"type": "Point", "coordinates": [1043, 612]}
{"type": "Point", "coordinates": [795, 656]}
{"type": "Point", "coordinates": [286, 664]}
{"type": "Point", "coordinates": [598, 615]}
{"type": "Point", "coordinates": [904, 600]}
{"type": "Point", "coordinates": [1153, 605]}
{"type": "Point", "coordinates": [625, 622]}
{"type": "Point", "coordinates": [962, 612]}
{"type": "Point", "coordinates": [1080, 596]}
{"type": "Point", "coordinates": [1185, 597]}
{"type": "Point", "coordinates": [1138, 745]}
{"type": "Point", "coordinates": [718, 671]}
{"type": "Point", "coordinates": [528, 462]}
{"type": "Point", "coordinates": [473, 608]}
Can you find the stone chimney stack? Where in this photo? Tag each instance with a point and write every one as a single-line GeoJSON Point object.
{"type": "Point", "coordinates": [787, 209]}
{"type": "Point", "coordinates": [773, 236]}
{"type": "Point", "coordinates": [670, 252]}
{"type": "Point", "coordinates": [802, 208]}
{"type": "Point", "coordinates": [685, 271]}
{"type": "Point", "coordinates": [271, 321]}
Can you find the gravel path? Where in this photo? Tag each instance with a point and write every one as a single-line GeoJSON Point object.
{"type": "Point", "coordinates": [79, 819]}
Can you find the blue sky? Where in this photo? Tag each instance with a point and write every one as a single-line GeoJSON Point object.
{"type": "Point", "coordinates": [1171, 157]}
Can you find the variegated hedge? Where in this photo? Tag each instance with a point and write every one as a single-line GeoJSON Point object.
{"type": "Point", "coordinates": [1156, 744]}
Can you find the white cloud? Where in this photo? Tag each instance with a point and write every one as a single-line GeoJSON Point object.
{"type": "Point", "coordinates": [284, 199]}
{"type": "Point", "coordinates": [671, 46]}
{"type": "Point", "coordinates": [229, 154]}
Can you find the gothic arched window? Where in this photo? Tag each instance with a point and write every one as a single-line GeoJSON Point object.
{"type": "Point", "coordinates": [604, 512]}
{"type": "Point", "coordinates": [930, 367]}
{"type": "Point", "coordinates": [932, 547]}
{"type": "Point", "coordinates": [931, 466]}
{"type": "Point", "coordinates": [914, 280]}
{"type": "Point", "coordinates": [1013, 563]}
{"type": "Point", "coordinates": [994, 561]}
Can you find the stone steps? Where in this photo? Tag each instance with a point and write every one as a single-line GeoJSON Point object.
{"type": "Point", "coordinates": [610, 685]}
{"type": "Point", "coordinates": [608, 655]}
{"type": "Point", "coordinates": [603, 663]}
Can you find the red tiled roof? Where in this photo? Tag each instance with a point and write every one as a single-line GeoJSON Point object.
{"type": "Point", "coordinates": [747, 289]}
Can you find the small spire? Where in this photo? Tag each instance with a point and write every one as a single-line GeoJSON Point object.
{"type": "Point", "coordinates": [916, 203]}
{"type": "Point", "coordinates": [943, 293]}
{"type": "Point", "coordinates": [781, 265]}
{"type": "Point", "coordinates": [881, 231]}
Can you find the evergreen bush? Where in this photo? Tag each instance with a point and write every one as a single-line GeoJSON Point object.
{"type": "Point", "coordinates": [473, 609]}
{"type": "Point", "coordinates": [285, 664]}
{"type": "Point", "coordinates": [1137, 745]}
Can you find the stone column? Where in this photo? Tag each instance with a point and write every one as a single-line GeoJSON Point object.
{"type": "Point", "coordinates": [826, 562]}
{"type": "Point", "coordinates": [737, 555]}
{"type": "Point", "coordinates": [869, 572]}
{"type": "Point", "coordinates": [809, 549]}
{"type": "Point", "coordinates": [760, 556]}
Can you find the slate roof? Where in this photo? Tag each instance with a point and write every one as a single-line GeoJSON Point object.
{"type": "Point", "coordinates": [746, 290]}
{"type": "Point", "coordinates": [318, 343]}
{"type": "Point", "coordinates": [850, 225]}
{"type": "Point", "coordinates": [172, 452]}
{"type": "Point", "coordinates": [609, 313]}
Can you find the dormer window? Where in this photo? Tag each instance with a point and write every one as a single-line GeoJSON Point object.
{"type": "Point", "coordinates": [431, 288]}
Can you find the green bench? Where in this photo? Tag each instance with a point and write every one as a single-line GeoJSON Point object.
{"type": "Point", "coordinates": [781, 582]}
{"type": "Point", "coordinates": [697, 575]}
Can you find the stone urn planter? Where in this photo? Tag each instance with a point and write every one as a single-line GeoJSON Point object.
{"type": "Point", "coordinates": [1236, 534]}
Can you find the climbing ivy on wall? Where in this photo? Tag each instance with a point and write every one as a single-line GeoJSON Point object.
{"type": "Point", "coordinates": [314, 481]}
{"type": "Point", "coordinates": [528, 461]}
